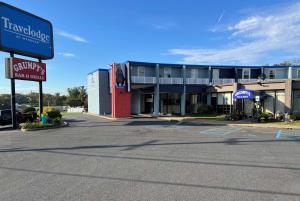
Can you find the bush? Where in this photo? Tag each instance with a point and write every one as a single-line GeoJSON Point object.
{"type": "Point", "coordinates": [235, 115]}
{"type": "Point", "coordinates": [54, 114]}
{"type": "Point", "coordinates": [205, 109]}
{"type": "Point", "coordinates": [295, 116]}
{"type": "Point", "coordinates": [57, 121]}
{"type": "Point", "coordinates": [264, 117]}
{"type": "Point", "coordinates": [34, 125]}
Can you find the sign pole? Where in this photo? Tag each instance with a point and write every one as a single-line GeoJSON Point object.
{"type": "Point", "coordinates": [13, 100]}
{"type": "Point", "coordinates": [41, 95]}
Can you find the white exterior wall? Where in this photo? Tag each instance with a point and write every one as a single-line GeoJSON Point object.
{"type": "Point", "coordinates": [93, 93]}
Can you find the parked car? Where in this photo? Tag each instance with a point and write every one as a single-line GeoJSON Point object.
{"type": "Point", "coordinates": [22, 116]}
{"type": "Point", "coordinates": [5, 117]}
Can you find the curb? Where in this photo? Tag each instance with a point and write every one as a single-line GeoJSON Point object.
{"type": "Point", "coordinates": [65, 124]}
{"type": "Point", "coordinates": [265, 126]}
{"type": "Point", "coordinates": [101, 116]}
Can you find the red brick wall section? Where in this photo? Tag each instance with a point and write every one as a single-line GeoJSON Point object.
{"type": "Point", "coordinates": [121, 99]}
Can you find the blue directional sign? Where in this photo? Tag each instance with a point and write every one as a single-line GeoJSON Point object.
{"type": "Point", "coordinates": [24, 33]}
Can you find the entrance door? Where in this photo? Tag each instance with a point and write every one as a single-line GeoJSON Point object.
{"type": "Point", "coordinates": [148, 103]}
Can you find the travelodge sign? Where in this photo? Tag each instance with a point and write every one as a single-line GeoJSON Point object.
{"type": "Point", "coordinates": [24, 33]}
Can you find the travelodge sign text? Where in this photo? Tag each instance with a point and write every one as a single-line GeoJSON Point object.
{"type": "Point", "coordinates": [22, 69]}
{"type": "Point", "coordinates": [24, 33]}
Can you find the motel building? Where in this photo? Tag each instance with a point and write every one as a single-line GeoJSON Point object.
{"type": "Point", "coordinates": [174, 89]}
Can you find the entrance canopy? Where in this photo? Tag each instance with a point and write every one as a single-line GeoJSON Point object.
{"type": "Point", "coordinates": [243, 94]}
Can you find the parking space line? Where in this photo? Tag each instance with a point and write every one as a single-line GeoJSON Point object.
{"type": "Point", "coordinates": [219, 131]}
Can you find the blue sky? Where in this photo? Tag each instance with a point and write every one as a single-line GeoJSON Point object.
{"type": "Point", "coordinates": [91, 34]}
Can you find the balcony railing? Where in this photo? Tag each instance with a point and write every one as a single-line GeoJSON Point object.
{"type": "Point", "coordinates": [167, 80]}
{"type": "Point", "coordinates": [247, 80]}
{"type": "Point", "coordinates": [278, 80]}
{"type": "Point", "coordinates": [143, 80]}
{"type": "Point", "coordinates": [197, 81]}
{"type": "Point", "coordinates": [222, 81]}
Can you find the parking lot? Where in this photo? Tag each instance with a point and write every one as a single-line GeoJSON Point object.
{"type": "Point", "coordinates": [149, 159]}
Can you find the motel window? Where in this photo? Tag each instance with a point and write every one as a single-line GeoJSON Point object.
{"type": "Point", "coordinates": [167, 72]}
{"type": "Point", "coordinates": [141, 71]}
{"type": "Point", "coordinates": [194, 73]}
{"type": "Point", "coordinates": [272, 74]}
{"type": "Point", "coordinates": [298, 73]}
{"type": "Point", "coordinates": [246, 73]}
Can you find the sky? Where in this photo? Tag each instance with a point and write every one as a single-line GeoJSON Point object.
{"type": "Point", "coordinates": [91, 34]}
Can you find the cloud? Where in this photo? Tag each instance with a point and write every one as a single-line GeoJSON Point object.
{"type": "Point", "coordinates": [272, 35]}
{"type": "Point", "coordinates": [66, 54]}
{"type": "Point", "coordinates": [72, 36]}
{"type": "Point", "coordinates": [221, 16]}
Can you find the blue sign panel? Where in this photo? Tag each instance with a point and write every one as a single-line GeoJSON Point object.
{"type": "Point", "coordinates": [243, 94]}
{"type": "Point", "coordinates": [24, 33]}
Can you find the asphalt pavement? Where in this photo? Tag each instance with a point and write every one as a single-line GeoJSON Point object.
{"type": "Point", "coordinates": [149, 159]}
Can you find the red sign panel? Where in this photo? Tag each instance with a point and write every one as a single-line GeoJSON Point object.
{"type": "Point", "coordinates": [22, 69]}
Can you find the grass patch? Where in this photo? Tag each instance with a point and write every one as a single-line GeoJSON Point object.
{"type": "Point", "coordinates": [70, 113]}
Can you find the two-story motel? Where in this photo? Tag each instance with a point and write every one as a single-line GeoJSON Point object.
{"type": "Point", "coordinates": [157, 88]}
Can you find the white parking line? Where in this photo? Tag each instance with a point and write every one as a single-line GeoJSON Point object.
{"type": "Point", "coordinates": [219, 131]}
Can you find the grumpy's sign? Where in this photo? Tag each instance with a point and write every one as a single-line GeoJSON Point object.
{"type": "Point", "coordinates": [22, 69]}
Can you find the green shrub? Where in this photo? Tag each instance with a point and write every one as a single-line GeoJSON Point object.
{"type": "Point", "coordinates": [27, 125]}
{"type": "Point", "coordinates": [264, 117]}
{"type": "Point", "coordinates": [296, 116]}
{"type": "Point", "coordinates": [235, 115]}
{"type": "Point", "coordinates": [34, 125]}
{"type": "Point", "coordinates": [57, 121]}
{"type": "Point", "coordinates": [205, 109]}
{"type": "Point", "coordinates": [54, 114]}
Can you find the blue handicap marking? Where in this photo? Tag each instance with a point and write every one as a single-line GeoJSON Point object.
{"type": "Point", "coordinates": [278, 134]}
{"type": "Point", "coordinates": [287, 134]}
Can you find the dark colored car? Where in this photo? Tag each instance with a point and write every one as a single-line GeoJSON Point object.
{"type": "Point", "coordinates": [22, 117]}
{"type": "Point", "coordinates": [5, 117]}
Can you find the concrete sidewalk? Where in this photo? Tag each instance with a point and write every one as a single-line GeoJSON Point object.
{"type": "Point", "coordinates": [212, 121]}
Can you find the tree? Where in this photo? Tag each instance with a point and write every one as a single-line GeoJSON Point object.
{"type": "Point", "coordinates": [289, 63]}
{"type": "Point", "coordinates": [77, 96]}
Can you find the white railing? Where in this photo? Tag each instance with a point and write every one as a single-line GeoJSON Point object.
{"type": "Point", "coordinates": [222, 81]}
{"type": "Point", "coordinates": [275, 80]}
{"type": "Point", "coordinates": [167, 80]}
{"type": "Point", "coordinates": [197, 81]}
{"type": "Point", "coordinates": [247, 80]}
{"type": "Point", "coordinates": [143, 80]}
